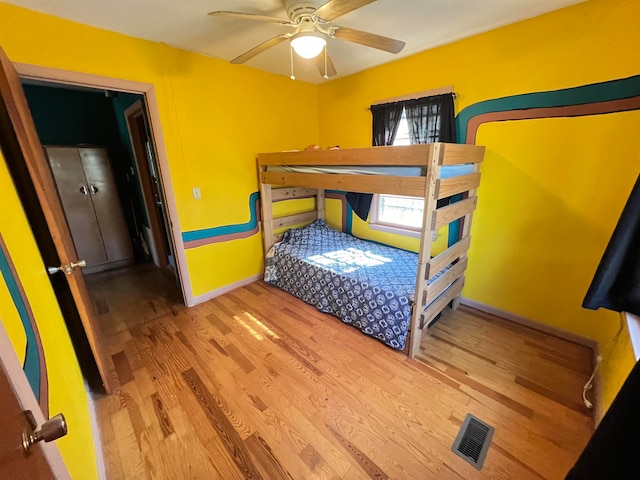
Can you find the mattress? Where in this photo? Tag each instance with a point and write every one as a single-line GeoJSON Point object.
{"type": "Point", "coordinates": [446, 171]}
{"type": "Point", "coordinates": [365, 284]}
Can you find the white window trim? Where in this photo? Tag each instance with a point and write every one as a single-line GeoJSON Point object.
{"type": "Point", "coordinates": [374, 224]}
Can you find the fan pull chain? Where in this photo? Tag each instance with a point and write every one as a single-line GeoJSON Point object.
{"type": "Point", "coordinates": [292, 77]}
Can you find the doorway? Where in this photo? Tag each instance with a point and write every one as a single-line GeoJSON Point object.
{"type": "Point", "coordinates": [90, 144]}
{"type": "Point", "coordinates": [155, 234]}
{"type": "Point", "coordinates": [175, 263]}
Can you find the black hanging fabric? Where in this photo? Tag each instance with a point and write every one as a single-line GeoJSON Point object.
{"type": "Point", "coordinates": [431, 119]}
{"type": "Point", "coordinates": [612, 451]}
{"type": "Point", "coordinates": [616, 283]}
{"type": "Point", "coordinates": [360, 203]}
{"type": "Point", "coordinates": [386, 119]}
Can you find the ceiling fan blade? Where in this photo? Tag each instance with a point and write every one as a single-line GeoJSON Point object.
{"type": "Point", "coordinates": [260, 48]}
{"type": "Point", "coordinates": [336, 8]}
{"type": "Point", "coordinates": [331, 68]}
{"type": "Point", "coordinates": [369, 39]}
{"type": "Point", "coordinates": [251, 16]}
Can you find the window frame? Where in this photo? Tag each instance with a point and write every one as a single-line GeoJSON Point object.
{"type": "Point", "coordinates": [397, 228]}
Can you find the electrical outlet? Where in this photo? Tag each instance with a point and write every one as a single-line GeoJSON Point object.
{"type": "Point", "coordinates": [196, 193]}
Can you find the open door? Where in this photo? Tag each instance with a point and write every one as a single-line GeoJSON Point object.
{"type": "Point", "coordinates": [28, 165]}
{"type": "Point", "coordinates": [43, 459]}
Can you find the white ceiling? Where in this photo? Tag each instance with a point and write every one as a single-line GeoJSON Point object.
{"type": "Point", "coordinates": [422, 24]}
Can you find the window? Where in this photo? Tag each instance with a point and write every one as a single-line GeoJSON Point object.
{"type": "Point", "coordinates": [400, 211]}
{"type": "Point", "coordinates": [402, 136]}
{"type": "Point", "coordinates": [429, 118]}
{"type": "Point", "coordinates": [394, 213]}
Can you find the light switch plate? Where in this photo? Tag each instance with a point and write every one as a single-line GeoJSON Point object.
{"type": "Point", "coordinates": [196, 193]}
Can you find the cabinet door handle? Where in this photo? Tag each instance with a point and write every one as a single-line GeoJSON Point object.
{"type": "Point", "coordinates": [93, 189]}
{"type": "Point", "coordinates": [83, 190]}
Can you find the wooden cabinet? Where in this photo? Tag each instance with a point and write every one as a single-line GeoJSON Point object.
{"type": "Point", "coordinates": [90, 200]}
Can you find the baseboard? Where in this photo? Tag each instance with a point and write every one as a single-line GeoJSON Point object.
{"type": "Point", "coordinates": [226, 289]}
{"type": "Point", "coordinates": [95, 431]}
{"type": "Point", "coordinates": [535, 325]}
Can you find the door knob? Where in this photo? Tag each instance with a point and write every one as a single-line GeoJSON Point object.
{"type": "Point", "coordinates": [50, 430]}
{"type": "Point", "coordinates": [67, 268]}
{"type": "Point", "coordinates": [93, 189]}
{"type": "Point", "coordinates": [83, 190]}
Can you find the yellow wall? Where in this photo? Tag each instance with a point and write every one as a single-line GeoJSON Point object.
{"type": "Point", "coordinates": [66, 387]}
{"type": "Point", "coordinates": [215, 118]}
{"type": "Point", "coordinates": [552, 189]}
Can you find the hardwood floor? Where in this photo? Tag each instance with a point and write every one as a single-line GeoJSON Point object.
{"type": "Point", "coordinates": [256, 384]}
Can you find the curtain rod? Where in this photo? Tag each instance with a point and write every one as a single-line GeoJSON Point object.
{"type": "Point", "coordinates": [413, 96]}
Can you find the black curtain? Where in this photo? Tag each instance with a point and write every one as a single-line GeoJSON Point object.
{"type": "Point", "coordinates": [386, 119]}
{"type": "Point", "coordinates": [616, 283]}
{"type": "Point", "coordinates": [612, 451]}
{"type": "Point", "coordinates": [431, 119]}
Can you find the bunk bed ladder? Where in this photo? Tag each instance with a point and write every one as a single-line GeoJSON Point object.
{"type": "Point", "coordinates": [426, 239]}
{"type": "Point", "coordinates": [432, 298]}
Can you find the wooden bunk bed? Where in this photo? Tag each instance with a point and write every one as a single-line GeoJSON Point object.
{"type": "Point", "coordinates": [430, 297]}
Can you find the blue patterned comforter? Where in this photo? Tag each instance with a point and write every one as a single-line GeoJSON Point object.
{"type": "Point", "coordinates": [367, 285]}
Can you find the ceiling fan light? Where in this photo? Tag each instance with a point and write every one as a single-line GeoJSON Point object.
{"type": "Point", "coordinates": [308, 44]}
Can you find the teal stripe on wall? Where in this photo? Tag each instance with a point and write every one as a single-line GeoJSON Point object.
{"type": "Point", "coordinates": [593, 93]}
{"type": "Point", "coordinates": [228, 229]}
{"type": "Point", "coordinates": [31, 365]}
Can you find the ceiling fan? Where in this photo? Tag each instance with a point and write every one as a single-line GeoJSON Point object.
{"type": "Point", "coordinates": [311, 27]}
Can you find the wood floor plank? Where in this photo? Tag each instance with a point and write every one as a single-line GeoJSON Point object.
{"type": "Point", "coordinates": [228, 434]}
{"type": "Point", "coordinates": [294, 414]}
{"type": "Point", "coordinates": [218, 323]}
{"type": "Point", "coordinates": [257, 384]}
{"type": "Point", "coordinates": [237, 356]}
{"type": "Point", "coordinates": [131, 400]}
{"type": "Point", "coordinates": [264, 458]}
{"type": "Point", "coordinates": [106, 408]}
{"type": "Point", "coordinates": [163, 418]}
{"type": "Point", "coordinates": [368, 465]}
{"type": "Point", "coordinates": [123, 370]}
{"type": "Point", "coordinates": [573, 404]}
{"type": "Point", "coordinates": [128, 449]}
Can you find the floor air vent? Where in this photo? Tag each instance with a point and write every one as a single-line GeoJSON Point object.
{"type": "Point", "coordinates": [473, 441]}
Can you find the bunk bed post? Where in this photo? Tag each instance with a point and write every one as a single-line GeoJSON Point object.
{"type": "Point", "coordinates": [268, 238]}
{"type": "Point", "coordinates": [426, 239]}
{"type": "Point", "coordinates": [320, 203]}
